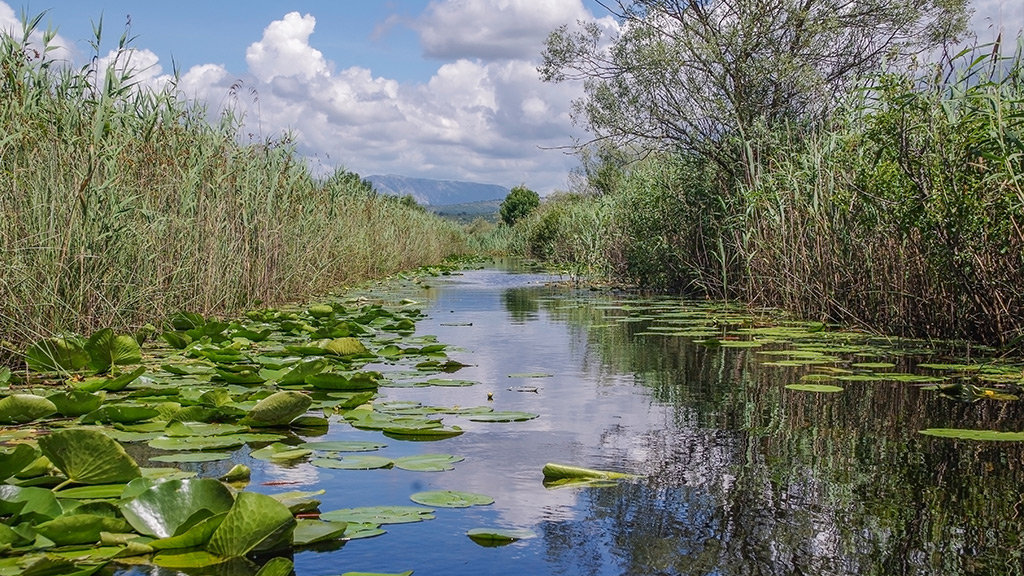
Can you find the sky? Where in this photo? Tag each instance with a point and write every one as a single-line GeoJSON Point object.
{"type": "Point", "coordinates": [443, 89]}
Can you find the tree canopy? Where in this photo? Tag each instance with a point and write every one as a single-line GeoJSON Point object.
{"type": "Point", "coordinates": [518, 204]}
{"type": "Point", "coordinates": [702, 75]}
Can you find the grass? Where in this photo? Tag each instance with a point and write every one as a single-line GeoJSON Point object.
{"type": "Point", "coordinates": [122, 204]}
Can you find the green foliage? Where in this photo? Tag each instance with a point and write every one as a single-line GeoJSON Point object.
{"type": "Point", "coordinates": [519, 203]}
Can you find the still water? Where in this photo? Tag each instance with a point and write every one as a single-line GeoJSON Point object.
{"type": "Point", "coordinates": [739, 474]}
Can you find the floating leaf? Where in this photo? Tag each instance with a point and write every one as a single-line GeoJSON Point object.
{"type": "Point", "coordinates": [357, 462]}
{"type": "Point", "coordinates": [277, 567]}
{"type": "Point", "coordinates": [530, 375]}
{"type": "Point", "coordinates": [191, 457]}
{"type": "Point", "coordinates": [16, 460]}
{"type": "Point", "coordinates": [163, 509]}
{"type": "Point", "coordinates": [56, 355]}
{"type": "Point", "coordinates": [22, 408]}
{"type": "Point", "coordinates": [814, 387]}
{"type": "Point", "coordinates": [428, 462]}
{"type": "Point", "coordinates": [451, 499]}
{"type": "Point", "coordinates": [196, 533]}
{"type": "Point", "coordinates": [380, 515]}
{"type": "Point", "coordinates": [344, 446]}
{"type": "Point", "coordinates": [278, 409]}
{"type": "Point", "coordinates": [491, 537]}
{"type": "Point", "coordinates": [299, 372]}
{"type": "Point", "coordinates": [197, 443]}
{"type": "Point", "coordinates": [255, 523]}
{"type": "Point", "coordinates": [122, 413]}
{"type": "Point", "coordinates": [114, 384]}
{"type": "Point", "coordinates": [89, 457]}
{"type": "Point", "coordinates": [553, 471]}
{"type": "Point", "coordinates": [76, 402]}
{"type": "Point", "coordinates": [31, 504]}
{"type": "Point", "coordinates": [449, 383]}
{"type": "Point", "coordinates": [93, 492]}
{"type": "Point", "coordinates": [107, 349]}
{"type": "Point", "coordinates": [347, 346]}
{"type": "Point", "coordinates": [502, 416]}
{"type": "Point", "coordinates": [312, 531]}
{"type": "Point", "coordinates": [964, 434]}
{"type": "Point", "coordinates": [359, 530]}
{"type": "Point", "coordinates": [75, 528]}
{"type": "Point", "coordinates": [238, 473]}
{"type": "Point", "coordinates": [278, 452]}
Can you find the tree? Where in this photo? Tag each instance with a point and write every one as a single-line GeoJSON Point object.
{"type": "Point", "coordinates": [704, 76]}
{"type": "Point", "coordinates": [518, 204]}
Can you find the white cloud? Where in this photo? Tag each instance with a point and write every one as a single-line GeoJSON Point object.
{"type": "Point", "coordinates": [992, 16]}
{"type": "Point", "coordinates": [285, 50]}
{"type": "Point", "coordinates": [11, 25]}
{"type": "Point", "coordinates": [494, 29]}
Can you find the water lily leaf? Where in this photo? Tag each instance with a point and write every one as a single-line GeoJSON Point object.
{"type": "Point", "coordinates": [299, 372]}
{"type": "Point", "coordinates": [190, 443]}
{"type": "Point", "coordinates": [380, 515]}
{"type": "Point", "coordinates": [502, 416]}
{"type": "Point", "coordinates": [56, 355]}
{"type": "Point", "coordinates": [240, 377]}
{"type": "Point", "coordinates": [873, 365]}
{"type": "Point", "coordinates": [80, 528]}
{"type": "Point", "coordinates": [76, 402]}
{"type": "Point", "coordinates": [814, 387]}
{"type": "Point", "coordinates": [357, 462]}
{"type": "Point", "coordinates": [238, 473]}
{"type": "Point", "coordinates": [964, 434]}
{"type": "Point", "coordinates": [107, 349]}
{"type": "Point", "coordinates": [22, 408]}
{"type": "Point", "coordinates": [554, 471]}
{"type": "Point", "coordinates": [344, 446]}
{"type": "Point", "coordinates": [451, 499]}
{"type": "Point", "coordinates": [93, 492]}
{"type": "Point", "coordinates": [256, 522]}
{"type": "Point", "coordinates": [359, 530]}
{"type": "Point", "coordinates": [163, 509]}
{"type": "Point", "coordinates": [88, 457]}
{"type": "Point", "coordinates": [31, 504]}
{"type": "Point", "coordinates": [51, 565]}
{"type": "Point", "coordinates": [277, 566]}
{"type": "Point", "coordinates": [200, 559]}
{"type": "Point", "coordinates": [181, 429]}
{"type": "Point", "coordinates": [278, 452]}
{"type": "Point", "coordinates": [198, 534]}
{"type": "Point", "coordinates": [450, 383]}
{"type": "Point", "coordinates": [191, 457]}
{"type": "Point", "coordinates": [428, 462]}
{"type": "Point", "coordinates": [312, 531]}
{"type": "Point", "coordinates": [422, 434]}
{"type": "Point", "coordinates": [530, 375]}
{"type": "Point", "coordinates": [491, 537]}
{"type": "Point", "coordinates": [347, 346]}
{"type": "Point", "coordinates": [16, 460]}
{"type": "Point", "coordinates": [122, 413]}
{"type": "Point", "coordinates": [299, 502]}
{"type": "Point", "coordinates": [278, 409]}
{"type": "Point", "coordinates": [358, 381]}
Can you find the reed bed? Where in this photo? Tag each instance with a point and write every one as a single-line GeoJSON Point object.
{"type": "Point", "coordinates": [120, 204]}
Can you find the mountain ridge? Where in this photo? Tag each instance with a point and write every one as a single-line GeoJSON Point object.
{"type": "Point", "coordinates": [431, 192]}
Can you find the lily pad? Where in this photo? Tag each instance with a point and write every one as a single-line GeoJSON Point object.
{"type": "Point", "coordinates": [380, 515]}
{"type": "Point", "coordinates": [255, 523]}
{"type": "Point", "coordinates": [278, 452]}
{"type": "Point", "coordinates": [107, 349]}
{"type": "Point", "coordinates": [196, 443]}
{"type": "Point", "coordinates": [344, 446]}
{"type": "Point", "coordinates": [502, 416]}
{"type": "Point", "coordinates": [76, 402]}
{"type": "Point", "coordinates": [491, 537]}
{"type": "Point", "coordinates": [451, 499]}
{"type": "Point", "coordinates": [357, 462]}
{"type": "Point", "coordinates": [89, 457]}
{"type": "Point", "coordinates": [428, 462]}
{"type": "Point", "coordinates": [56, 355]}
{"type": "Point", "coordinates": [183, 457]}
{"type": "Point", "coordinates": [814, 387]}
{"type": "Point", "coordinates": [163, 509]}
{"type": "Point", "coordinates": [309, 531]}
{"type": "Point", "coordinates": [16, 460]}
{"type": "Point", "coordinates": [22, 408]}
{"type": "Point", "coordinates": [530, 375]}
{"type": "Point", "coordinates": [192, 533]}
{"type": "Point", "coordinates": [278, 409]}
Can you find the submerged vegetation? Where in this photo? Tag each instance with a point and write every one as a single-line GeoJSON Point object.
{"type": "Point", "coordinates": [122, 203]}
{"type": "Point", "coordinates": [891, 200]}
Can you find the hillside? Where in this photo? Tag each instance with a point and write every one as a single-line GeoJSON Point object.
{"type": "Point", "coordinates": [429, 192]}
{"type": "Point", "coordinates": [466, 213]}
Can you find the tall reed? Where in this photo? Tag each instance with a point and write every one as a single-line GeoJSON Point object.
{"type": "Point", "coordinates": [120, 204]}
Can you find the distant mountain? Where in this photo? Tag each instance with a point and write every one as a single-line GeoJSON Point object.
{"type": "Point", "coordinates": [429, 192]}
{"type": "Point", "coordinates": [466, 213]}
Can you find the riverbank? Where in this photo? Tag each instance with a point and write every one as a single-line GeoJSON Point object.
{"type": "Point", "coordinates": [124, 203]}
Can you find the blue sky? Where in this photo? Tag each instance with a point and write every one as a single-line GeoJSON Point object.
{"type": "Point", "coordinates": [431, 88]}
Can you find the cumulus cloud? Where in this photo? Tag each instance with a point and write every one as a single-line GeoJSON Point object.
{"type": "Point", "coordinates": [494, 29]}
{"type": "Point", "coordinates": [11, 25]}
{"type": "Point", "coordinates": [285, 51]}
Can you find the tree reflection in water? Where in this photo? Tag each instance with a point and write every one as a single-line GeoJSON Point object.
{"type": "Point", "coordinates": [753, 479]}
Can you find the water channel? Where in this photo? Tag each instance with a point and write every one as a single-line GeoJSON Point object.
{"type": "Point", "coordinates": [739, 474]}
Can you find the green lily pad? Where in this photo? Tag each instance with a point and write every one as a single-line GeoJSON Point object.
{"type": "Point", "coordinates": [196, 443]}
{"type": "Point", "coordinates": [309, 531]}
{"type": "Point", "coordinates": [88, 457]}
{"type": "Point", "coordinates": [530, 375]}
{"type": "Point", "coordinates": [360, 530]}
{"type": "Point", "coordinates": [428, 462]}
{"type": "Point", "coordinates": [278, 409]}
{"type": "Point", "coordinates": [450, 383]}
{"type": "Point", "coordinates": [107, 349]}
{"type": "Point", "coordinates": [554, 472]}
{"type": "Point", "coordinates": [417, 433]}
{"type": "Point", "coordinates": [347, 346]}
{"type": "Point", "coordinates": [113, 384]}
{"type": "Point", "coordinates": [277, 567]}
{"type": "Point", "coordinates": [75, 528]}
{"type": "Point", "coordinates": [76, 402]}
{"type": "Point", "coordinates": [814, 387]}
{"type": "Point", "coordinates": [182, 457]}
{"type": "Point", "coordinates": [196, 531]}
{"type": "Point", "coordinates": [56, 355]}
{"type": "Point", "coordinates": [122, 413]}
{"type": "Point", "coordinates": [491, 537]}
{"type": "Point", "coordinates": [31, 504]}
{"type": "Point", "coordinates": [299, 372]}
{"type": "Point", "coordinates": [255, 523]}
{"type": "Point", "coordinates": [91, 492]}
{"type": "Point", "coordinates": [22, 408]}
{"type": "Point", "coordinates": [162, 510]}
{"type": "Point", "coordinates": [964, 434]}
{"type": "Point", "coordinates": [357, 462]}
{"type": "Point", "coordinates": [16, 460]}
{"type": "Point", "coordinates": [380, 515]}
{"type": "Point", "coordinates": [278, 452]}
{"type": "Point", "coordinates": [502, 416]}
{"type": "Point", "coordinates": [451, 499]}
{"type": "Point", "coordinates": [344, 446]}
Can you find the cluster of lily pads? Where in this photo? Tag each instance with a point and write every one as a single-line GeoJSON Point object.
{"type": "Point", "coordinates": [833, 357]}
{"type": "Point", "coordinates": [73, 497]}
